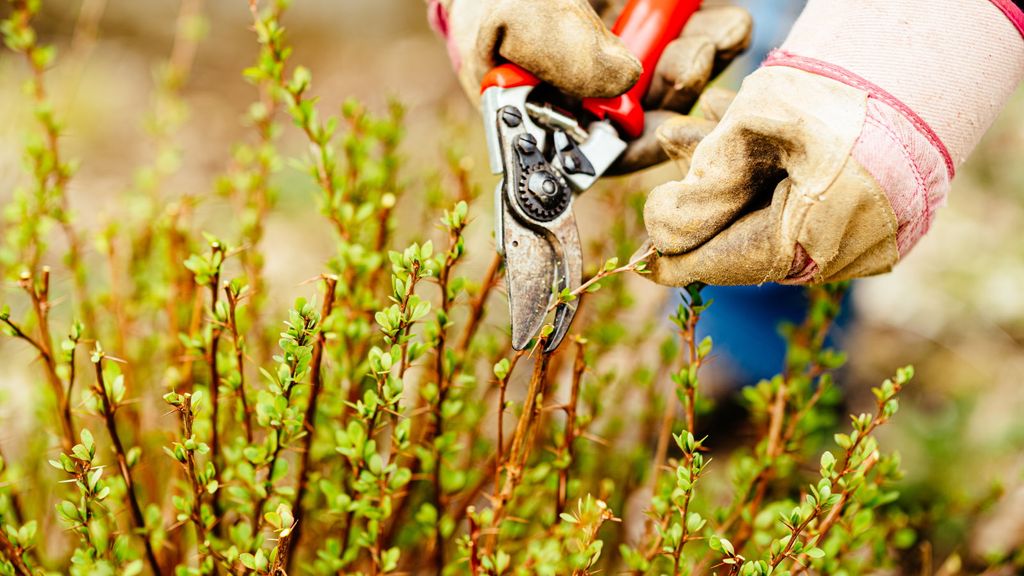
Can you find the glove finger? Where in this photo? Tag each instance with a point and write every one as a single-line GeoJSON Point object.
{"type": "Point", "coordinates": [563, 43]}
{"type": "Point", "coordinates": [679, 137]}
{"type": "Point", "coordinates": [711, 40]}
{"type": "Point", "coordinates": [683, 71]}
{"type": "Point", "coordinates": [734, 170]}
{"type": "Point", "coordinates": [728, 28]}
{"type": "Point", "coordinates": [651, 148]}
{"type": "Point", "coordinates": [714, 102]}
{"type": "Point", "coordinates": [645, 151]}
{"type": "Point", "coordinates": [671, 136]}
{"type": "Point", "coordinates": [752, 250]}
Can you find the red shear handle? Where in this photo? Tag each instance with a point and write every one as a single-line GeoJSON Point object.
{"type": "Point", "coordinates": [508, 76]}
{"type": "Point", "coordinates": [646, 28]}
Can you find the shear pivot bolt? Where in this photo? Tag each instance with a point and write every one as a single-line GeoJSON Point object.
{"type": "Point", "coordinates": [511, 117]}
{"type": "Point", "coordinates": [527, 144]}
{"type": "Point", "coordinates": [543, 185]}
{"type": "Point", "coordinates": [542, 194]}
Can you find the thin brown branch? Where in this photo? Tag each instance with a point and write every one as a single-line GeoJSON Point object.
{"type": "Point", "coordinates": [571, 433]}
{"type": "Point", "coordinates": [499, 462]}
{"type": "Point", "coordinates": [39, 296]}
{"type": "Point", "coordinates": [278, 447]}
{"type": "Point", "coordinates": [475, 566]}
{"type": "Point", "coordinates": [212, 359]}
{"type": "Point", "coordinates": [13, 554]}
{"type": "Point", "coordinates": [237, 341]}
{"type": "Point", "coordinates": [634, 265]}
{"type": "Point", "coordinates": [837, 480]}
{"type": "Point", "coordinates": [794, 536]}
{"type": "Point", "coordinates": [835, 513]}
{"type": "Point", "coordinates": [812, 334]}
{"type": "Point", "coordinates": [109, 408]}
{"type": "Point", "coordinates": [309, 420]}
{"type": "Point", "coordinates": [694, 361]}
{"type": "Point", "coordinates": [436, 426]}
{"type": "Point", "coordinates": [403, 331]}
{"type": "Point", "coordinates": [522, 439]}
{"type": "Point", "coordinates": [477, 310]}
{"type": "Point", "coordinates": [204, 546]}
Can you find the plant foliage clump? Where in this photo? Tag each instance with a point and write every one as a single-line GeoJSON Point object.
{"type": "Point", "coordinates": [383, 424]}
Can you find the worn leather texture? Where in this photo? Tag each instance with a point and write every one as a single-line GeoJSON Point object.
{"type": "Point", "coordinates": [562, 42]}
{"type": "Point", "coordinates": [774, 194]}
{"type": "Point", "coordinates": [566, 45]}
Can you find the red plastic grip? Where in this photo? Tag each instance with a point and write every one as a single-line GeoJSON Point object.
{"type": "Point", "coordinates": [646, 27]}
{"type": "Point", "coordinates": [508, 76]}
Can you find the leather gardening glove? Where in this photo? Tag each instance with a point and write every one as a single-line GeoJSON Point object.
{"type": "Point", "coordinates": [565, 44]}
{"type": "Point", "coordinates": [834, 156]}
{"type": "Point", "coordinates": [711, 40]}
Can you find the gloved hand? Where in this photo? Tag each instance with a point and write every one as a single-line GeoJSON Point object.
{"type": "Point", "coordinates": [834, 156]}
{"type": "Point", "coordinates": [565, 44]}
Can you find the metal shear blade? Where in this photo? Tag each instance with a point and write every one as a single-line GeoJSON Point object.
{"type": "Point", "coordinates": [537, 231]}
{"type": "Point", "coordinates": [534, 258]}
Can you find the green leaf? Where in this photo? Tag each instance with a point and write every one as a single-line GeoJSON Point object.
{"type": "Point", "coordinates": [502, 368]}
{"type": "Point", "coordinates": [704, 348]}
{"type": "Point", "coordinates": [88, 441]}
{"type": "Point", "coordinates": [80, 452]}
{"type": "Point", "coordinates": [816, 553]}
{"type": "Point", "coordinates": [828, 461]}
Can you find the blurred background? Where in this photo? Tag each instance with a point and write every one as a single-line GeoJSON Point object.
{"type": "Point", "coordinates": [954, 308]}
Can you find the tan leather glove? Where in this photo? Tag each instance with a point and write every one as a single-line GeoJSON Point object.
{"type": "Point", "coordinates": [562, 42]}
{"type": "Point", "coordinates": [566, 44]}
{"type": "Point", "coordinates": [711, 40]}
{"type": "Point", "coordinates": [772, 185]}
{"type": "Point", "coordinates": [835, 156]}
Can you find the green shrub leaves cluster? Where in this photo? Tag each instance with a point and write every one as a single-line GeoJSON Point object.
{"type": "Point", "coordinates": [383, 424]}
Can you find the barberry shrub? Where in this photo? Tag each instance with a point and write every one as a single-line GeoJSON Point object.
{"type": "Point", "coordinates": [382, 424]}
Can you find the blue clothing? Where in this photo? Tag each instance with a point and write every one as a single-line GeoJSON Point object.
{"type": "Point", "coordinates": [744, 323]}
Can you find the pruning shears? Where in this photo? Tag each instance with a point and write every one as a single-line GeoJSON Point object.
{"type": "Point", "coordinates": [546, 155]}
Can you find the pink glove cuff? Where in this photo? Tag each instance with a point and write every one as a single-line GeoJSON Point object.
{"type": "Point", "coordinates": [1013, 13]}
{"type": "Point", "coordinates": [437, 15]}
{"type": "Point", "coordinates": [877, 93]}
{"type": "Point", "coordinates": [955, 63]}
{"type": "Point", "coordinates": [898, 148]}
{"type": "Point", "coordinates": [907, 166]}
{"type": "Point", "coordinates": [936, 73]}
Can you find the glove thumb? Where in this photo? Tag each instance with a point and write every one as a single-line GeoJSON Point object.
{"type": "Point", "coordinates": [562, 42]}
